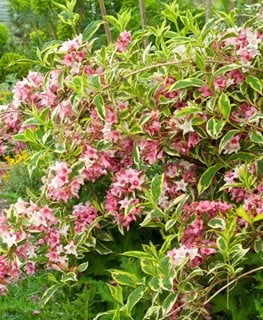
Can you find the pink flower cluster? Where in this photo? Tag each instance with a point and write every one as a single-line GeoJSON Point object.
{"type": "Point", "coordinates": [60, 186]}
{"type": "Point", "coordinates": [123, 41]}
{"type": "Point", "coordinates": [9, 272]}
{"type": "Point", "coordinates": [246, 45]}
{"type": "Point", "coordinates": [251, 198]}
{"type": "Point", "coordinates": [84, 215]}
{"type": "Point", "coordinates": [179, 255]}
{"type": "Point", "coordinates": [121, 200]}
{"type": "Point", "coordinates": [75, 54]}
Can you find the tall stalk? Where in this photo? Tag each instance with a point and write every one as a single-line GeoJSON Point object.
{"type": "Point", "coordinates": [106, 25]}
{"type": "Point", "coordinates": [232, 4]}
{"type": "Point", "coordinates": [208, 10]}
{"type": "Point", "coordinates": [143, 18]}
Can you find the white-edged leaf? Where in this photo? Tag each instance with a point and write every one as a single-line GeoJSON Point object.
{"type": "Point", "coordinates": [187, 83]}
{"type": "Point", "coordinates": [99, 103]}
{"type": "Point", "coordinates": [134, 297]}
{"type": "Point", "coordinates": [224, 69]}
{"type": "Point", "coordinates": [256, 137]}
{"type": "Point", "coordinates": [83, 266]}
{"type": "Point", "coordinates": [49, 293]}
{"type": "Point", "coordinates": [207, 177]}
{"type": "Point", "coordinates": [91, 29]}
{"type": "Point", "coordinates": [217, 223]}
{"type": "Point", "coordinates": [188, 110]}
{"type": "Point", "coordinates": [254, 83]}
{"type": "Point", "coordinates": [156, 186]}
{"type": "Point", "coordinates": [169, 302]}
{"type": "Point", "coordinates": [214, 127]}
{"type": "Point", "coordinates": [224, 105]}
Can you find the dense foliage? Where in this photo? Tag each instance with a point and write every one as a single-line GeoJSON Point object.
{"type": "Point", "coordinates": [150, 151]}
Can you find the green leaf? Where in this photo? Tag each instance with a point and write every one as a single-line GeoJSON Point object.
{"type": "Point", "coordinates": [123, 277]}
{"type": "Point", "coordinates": [227, 137]}
{"type": "Point", "coordinates": [200, 61]}
{"type": "Point", "coordinates": [103, 145]}
{"type": "Point", "coordinates": [70, 276]}
{"type": "Point", "coordinates": [152, 313]}
{"type": "Point", "coordinates": [32, 121]}
{"type": "Point", "coordinates": [136, 156]}
{"type": "Point", "coordinates": [134, 297]}
{"type": "Point", "coordinates": [49, 293]}
{"type": "Point", "coordinates": [254, 83]}
{"type": "Point", "coordinates": [223, 70]}
{"type": "Point", "coordinates": [258, 245]}
{"type": "Point", "coordinates": [188, 110]}
{"type": "Point", "coordinates": [242, 156]}
{"type": "Point", "coordinates": [259, 217]}
{"type": "Point", "coordinates": [256, 137]}
{"type": "Point", "coordinates": [224, 105]}
{"type": "Point", "coordinates": [169, 224]}
{"type": "Point", "coordinates": [19, 137]}
{"type": "Point", "coordinates": [156, 187]}
{"type": "Point", "coordinates": [169, 302]}
{"type": "Point", "coordinates": [207, 27]}
{"type": "Point", "coordinates": [222, 244]}
{"type": "Point", "coordinates": [30, 135]}
{"type": "Point", "coordinates": [217, 223]}
{"type": "Point", "coordinates": [34, 161]}
{"type": "Point", "coordinates": [210, 104]}
{"type": "Point", "coordinates": [83, 266]}
{"type": "Point", "coordinates": [242, 213]}
{"type": "Point", "coordinates": [214, 127]}
{"type": "Point", "coordinates": [91, 29]}
{"type": "Point", "coordinates": [116, 292]}
{"type": "Point", "coordinates": [112, 20]}
{"type": "Point", "coordinates": [137, 254]}
{"type": "Point", "coordinates": [187, 83]}
{"type": "Point", "coordinates": [102, 249]}
{"type": "Point", "coordinates": [207, 177]}
{"type": "Point", "coordinates": [99, 103]}
{"type": "Point", "coordinates": [106, 313]}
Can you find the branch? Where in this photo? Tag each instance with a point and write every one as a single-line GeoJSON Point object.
{"type": "Point", "coordinates": [231, 282]}
{"type": "Point", "coordinates": [171, 63]}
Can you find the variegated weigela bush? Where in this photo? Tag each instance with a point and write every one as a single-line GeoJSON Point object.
{"type": "Point", "coordinates": [151, 155]}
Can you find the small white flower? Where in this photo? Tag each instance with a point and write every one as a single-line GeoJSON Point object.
{"type": "Point", "coordinates": [181, 185]}
{"type": "Point", "coordinates": [71, 248]}
{"type": "Point", "coordinates": [9, 239]}
{"type": "Point", "coordinates": [186, 127]}
{"type": "Point", "coordinates": [75, 67]}
{"type": "Point", "coordinates": [186, 164]}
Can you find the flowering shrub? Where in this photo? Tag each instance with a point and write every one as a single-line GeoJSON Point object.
{"type": "Point", "coordinates": [166, 138]}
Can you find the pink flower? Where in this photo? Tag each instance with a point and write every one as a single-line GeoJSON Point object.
{"type": "Point", "coordinates": [237, 76]}
{"type": "Point", "coordinates": [193, 139]}
{"type": "Point", "coordinates": [123, 41]}
{"type": "Point", "coordinates": [30, 268]}
{"type": "Point", "coordinates": [243, 113]}
{"type": "Point", "coordinates": [178, 255]}
{"type": "Point", "coordinates": [71, 248]}
{"type": "Point", "coordinates": [220, 83]}
{"type": "Point", "coordinates": [205, 91]}
{"type": "Point", "coordinates": [233, 145]}
{"type": "Point", "coordinates": [84, 216]}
